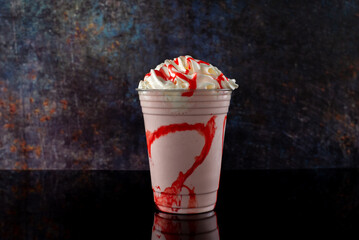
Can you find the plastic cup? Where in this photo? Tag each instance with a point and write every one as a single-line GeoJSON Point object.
{"type": "Point", "coordinates": [185, 134]}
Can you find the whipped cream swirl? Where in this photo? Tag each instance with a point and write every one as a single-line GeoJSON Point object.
{"type": "Point", "coordinates": [185, 72]}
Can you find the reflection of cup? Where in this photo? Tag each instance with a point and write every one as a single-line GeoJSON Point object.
{"type": "Point", "coordinates": [197, 227]}
{"type": "Point", "coordinates": [185, 141]}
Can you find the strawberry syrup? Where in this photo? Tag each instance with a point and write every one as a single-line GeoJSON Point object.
{"type": "Point", "coordinates": [224, 128]}
{"type": "Point", "coordinates": [170, 196]}
{"type": "Point", "coordinates": [173, 73]}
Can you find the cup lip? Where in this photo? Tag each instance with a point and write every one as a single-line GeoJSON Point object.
{"type": "Point", "coordinates": [183, 90]}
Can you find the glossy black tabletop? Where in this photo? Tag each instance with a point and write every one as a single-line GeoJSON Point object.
{"type": "Point", "coordinates": [114, 204]}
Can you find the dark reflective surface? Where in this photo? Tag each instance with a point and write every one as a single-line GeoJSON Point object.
{"type": "Point", "coordinates": [114, 204]}
{"type": "Point", "coordinates": [175, 226]}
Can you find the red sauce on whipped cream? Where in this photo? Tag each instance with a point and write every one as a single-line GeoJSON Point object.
{"type": "Point", "coordinates": [183, 69]}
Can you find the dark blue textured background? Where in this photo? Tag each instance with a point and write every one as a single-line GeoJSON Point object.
{"type": "Point", "coordinates": [69, 69]}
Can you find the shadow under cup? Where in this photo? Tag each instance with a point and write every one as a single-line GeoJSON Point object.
{"type": "Point", "coordinates": [185, 134]}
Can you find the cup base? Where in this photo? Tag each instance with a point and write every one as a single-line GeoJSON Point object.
{"type": "Point", "coordinates": [205, 202]}
{"type": "Point", "coordinates": [186, 210]}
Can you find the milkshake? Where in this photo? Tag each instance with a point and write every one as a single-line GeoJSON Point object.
{"type": "Point", "coordinates": [185, 103]}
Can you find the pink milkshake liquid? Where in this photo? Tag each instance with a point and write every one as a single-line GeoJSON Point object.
{"type": "Point", "coordinates": [185, 134]}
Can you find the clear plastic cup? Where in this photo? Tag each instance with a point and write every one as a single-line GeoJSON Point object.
{"type": "Point", "coordinates": [185, 134]}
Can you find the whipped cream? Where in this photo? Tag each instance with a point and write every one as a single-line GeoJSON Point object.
{"type": "Point", "coordinates": [185, 72]}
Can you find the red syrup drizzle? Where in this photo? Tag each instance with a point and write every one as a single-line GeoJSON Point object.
{"type": "Point", "coordinates": [170, 196]}
{"type": "Point", "coordinates": [197, 61]}
{"type": "Point", "coordinates": [224, 128]}
{"type": "Point", "coordinates": [221, 78]}
{"type": "Point", "coordinates": [173, 73]}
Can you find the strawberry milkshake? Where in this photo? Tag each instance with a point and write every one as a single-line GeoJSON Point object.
{"type": "Point", "coordinates": [185, 103]}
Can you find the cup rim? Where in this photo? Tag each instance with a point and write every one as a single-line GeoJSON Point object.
{"type": "Point", "coordinates": [182, 90]}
